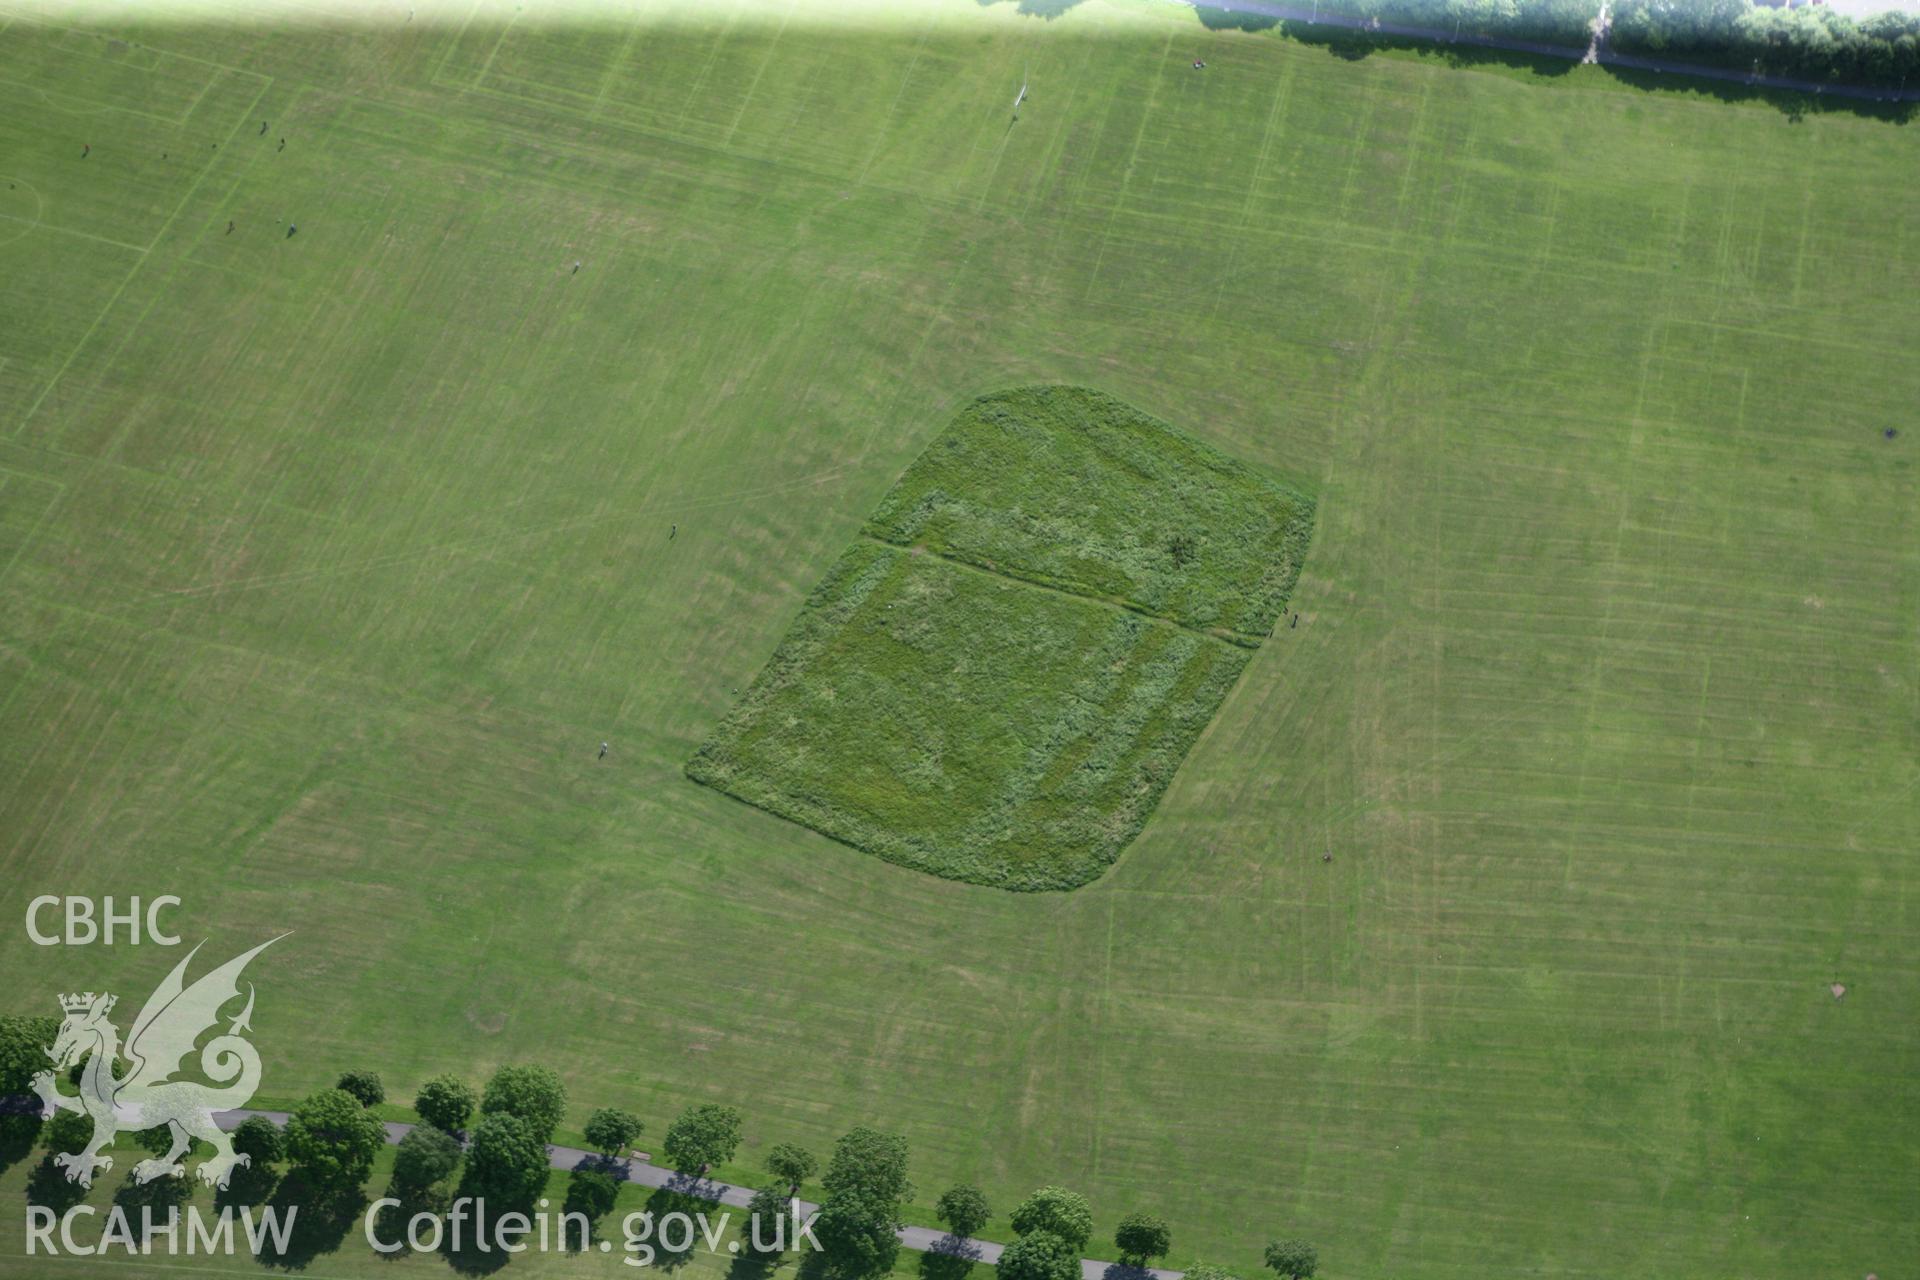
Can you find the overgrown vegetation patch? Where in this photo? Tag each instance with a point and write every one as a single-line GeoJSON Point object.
{"type": "Point", "coordinates": [997, 682]}
{"type": "Point", "coordinates": [1077, 490]}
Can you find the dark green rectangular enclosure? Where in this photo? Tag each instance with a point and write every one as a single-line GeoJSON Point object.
{"type": "Point", "coordinates": [997, 681]}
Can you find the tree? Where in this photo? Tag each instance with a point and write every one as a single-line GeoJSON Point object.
{"type": "Point", "coordinates": [1039, 1255]}
{"type": "Point", "coordinates": [260, 1140]}
{"type": "Point", "coordinates": [592, 1193]}
{"type": "Point", "coordinates": [763, 1235]}
{"type": "Point", "coordinates": [1208, 1271]}
{"type": "Point", "coordinates": [1293, 1259]}
{"type": "Point", "coordinates": [702, 1136]}
{"type": "Point", "coordinates": [334, 1139]}
{"type": "Point", "coordinates": [506, 1161]}
{"type": "Point", "coordinates": [445, 1102]}
{"type": "Point", "coordinates": [963, 1208]}
{"type": "Point", "coordinates": [156, 1141]}
{"type": "Point", "coordinates": [364, 1085]}
{"type": "Point", "coordinates": [865, 1182]}
{"type": "Point", "coordinates": [869, 1163]}
{"type": "Point", "coordinates": [1142, 1237]}
{"type": "Point", "coordinates": [856, 1232]}
{"type": "Point", "coordinates": [24, 1042]}
{"type": "Point", "coordinates": [67, 1131]}
{"type": "Point", "coordinates": [425, 1156]}
{"type": "Point", "coordinates": [1058, 1211]}
{"type": "Point", "coordinates": [532, 1094]}
{"type": "Point", "coordinates": [609, 1129]}
{"type": "Point", "coordinates": [792, 1165]}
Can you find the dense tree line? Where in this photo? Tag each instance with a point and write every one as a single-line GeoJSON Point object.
{"type": "Point", "coordinates": [1805, 42]}
{"type": "Point", "coordinates": [1564, 22]}
{"type": "Point", "coordinates": [330, 1141]}
{"type": "Point", "coordinates": [1808, 42]}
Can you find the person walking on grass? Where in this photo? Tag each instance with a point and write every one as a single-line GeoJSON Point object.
{"type": "Point", "coordinates": [603, 751]}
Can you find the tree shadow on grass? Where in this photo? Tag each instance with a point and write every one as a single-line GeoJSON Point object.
{"type": "Point", "coordinates": [1351, 45]}
{"type": "Point", "coordinates": [152, 1203]}
{"type": "Point", "coordinates": [1796, 105]}
{"type": "Point", "coordinates": [475, 1253]}
{"type": "Point", "coordinates": [951, 1258]}
{"type": "Point", "coordinates": [391, 1221]}
{"type": "Point", "coordinates": [47, 1185]}
{"type": "Point", "coordinates": [1215, 18]}
{"type": "Point", "coordinates": [692, 1187]}
{"type": "Point", "coordinates": [247, 1186]}
{"type": "Point", "coordinates": [618, 1170]}
{"type": "Point", "coordinates": [675, 1197]}
{"type": "Point", "coordinates": [317, 1219]}
{"type": "Point", "coordinates": [18, 1132]}
{"type": "Point", "coordinates": [1046, 10]}
{"type": "Point", "coordinates": [748, 1265]}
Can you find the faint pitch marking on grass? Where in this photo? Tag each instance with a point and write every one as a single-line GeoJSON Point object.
{"type": "Point", "coordinates": [505, 31]}
{"type": "Point", "coordinates": [1635, 436]}
{"type": "Point", "coordinates": [1126, 174]}
{"type": "Point", "coordinates": [95, 109]}
{"type": "Point", "coordinates": [700, 81]}
{"type": "Point", "coordinates": [1106, 1004]}
{"type": "Point", "coordinates": [148, 1264]}
{"type": "Point", "coordinates": [57, 229]}
{"type": "Point", "coordinates": [920, 347]}
{"type": "Point", "coordinates": [1546, 242]}
{"type": "Point", "coordinates": [111, 450]}
{"type": "Point", "coordinates": [613, 70]}
{"type": "Point", "coordinates": [478, 542]}
{"type": "Point", "coordinates": [206, 86]}
{"type": "Point", "coordinates": [1000, 148]}
{"type": "Point", "coordinates": [1800, 246]}
{"type": "Point", "coordinates": [1057, 140]}
{"type": "Point", "coordinates": [39, 211]}
{"type": "Point", "coordinates": [1401, 220]}
{"type": "Point", "coordinates": [173, 54]}
{"type": "Point", "coordinates": [440, 68]}
{"type": "Point", "coordinates": [144, 258]}
{"type": "Point", "coordinates": [45, 510]}
{"type": "Point", "coordinates": [760, 71]}
{"type": "Point", "coordinates": [1281, 96]}
{"type": "Point", "coordinates": [1699, 736]}
{"type": "Point", "coordinates": [1358, 147]}
{"type": "Point", "coordinates": [654, 129]}
{"type": "Point", "coordinates": [101, 109]}
{"type": "Point", "coordinates": [886, 121]}
{"type": "Point", "coordinates": [1369, 796]}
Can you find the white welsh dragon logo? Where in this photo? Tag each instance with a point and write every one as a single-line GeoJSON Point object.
{"type": "Point", "coordinates": [148, 1095]}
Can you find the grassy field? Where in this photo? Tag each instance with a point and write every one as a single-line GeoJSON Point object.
{"type": "Point", "coordinates": [327, 560]}
{"type": "Point", "coordinates": [982, 695]}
